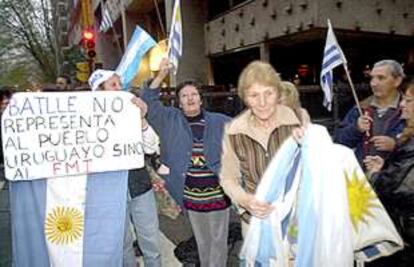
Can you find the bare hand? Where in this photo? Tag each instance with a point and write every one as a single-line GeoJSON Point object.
{"type": "Point", "coordinates": [165, 67]}
{"type": "Point", "coordinates": [364, 123]}
{"type": "Point", "coordinates": [141, 105]}
{"type": "Point", "coordinates": [383, 143]}
{"type": "Point", "coordinates": [373, 163]}
{"type": "Point", "coordinates": [257, 208]}
{"type": "Point", "coordinates": [298, 133]}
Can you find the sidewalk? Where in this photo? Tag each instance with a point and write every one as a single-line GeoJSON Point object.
{"type": "Point", "coordinates": [172, 232]}
{"type": "Point", "coordinates": [5, 231]}
{"type": "Point", "coordinates": [179, 230]}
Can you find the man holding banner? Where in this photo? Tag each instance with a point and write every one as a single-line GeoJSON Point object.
{"type": "Point", "coordinates": [374, 131]}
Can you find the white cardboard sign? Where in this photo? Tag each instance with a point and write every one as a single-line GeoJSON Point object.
{"type": "Point", "coordinates": [62, 134]}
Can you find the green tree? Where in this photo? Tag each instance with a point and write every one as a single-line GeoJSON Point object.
{"type": "Point", "coordinates": [28, 40]}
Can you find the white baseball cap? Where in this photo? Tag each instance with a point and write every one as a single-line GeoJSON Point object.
{"type": "Point", "coordinates": [98, 77]}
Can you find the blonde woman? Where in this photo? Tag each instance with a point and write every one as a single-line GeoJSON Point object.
{"type": "Point", "coordinates": [253, 138]}
{"type": "Point", "coordinates": [289, 96]}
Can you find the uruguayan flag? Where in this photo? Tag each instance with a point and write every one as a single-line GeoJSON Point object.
{"type": "Point", "coordinates": [332, 57]}
{"type": "Point", "coordinates": [326, 213]}
{"type": "Point", "coordinates": [138, 46]}
{"type": "Point", "coordinates": [175, 40]}
{"type": "Point", "coordinates": [106, 22]}
{"type": "Point", "coordinates": [266, 239]}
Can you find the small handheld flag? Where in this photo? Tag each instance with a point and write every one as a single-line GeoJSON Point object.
{"type": "Point", "coordinates": [175, 40]}
{"type": "Point", "coordinates": [138, 46]}
{"type": "Point", "coordinates": [332, 57]}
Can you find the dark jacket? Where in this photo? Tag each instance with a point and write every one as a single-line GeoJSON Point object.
{"type": "Point", "coordinates": [176, 140]}
{"type": "Point", "coordinates": [138, 182]}
{"type": "Point", "coordinates": [348, 134]}
{"type": "Point", "coordinates": [395, 183]}
{"type": "Point", "coordinates": [395, 187]}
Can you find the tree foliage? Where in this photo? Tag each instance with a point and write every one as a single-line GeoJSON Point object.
{"type": "Point", "coordinates": [28, 37]}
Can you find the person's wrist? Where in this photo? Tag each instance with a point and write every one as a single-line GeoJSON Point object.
{"type": "Point", "coordinates": [144, 124]}
{"type": "Point", "coordinates": [156, 82]}
{"type": "Point", "coordinates": [245, 201]}
{"type": "Point", "coordinates": [361, 130]}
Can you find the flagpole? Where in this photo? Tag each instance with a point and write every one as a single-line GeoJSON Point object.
{"type": "Point", "coordinates": [118, 44]}
{"type": "Point", "coordinates": [159, 18]}
{"type": "Point", "coordinates": [171, 24]}
{"type": "Point", "coordinates": [172, 76]}
{"type": "Point", "coordinates": [353, 89]}
{"type": "Point", "coordinates": [124, 25]}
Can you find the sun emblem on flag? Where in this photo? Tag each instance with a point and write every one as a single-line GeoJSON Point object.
{"type": "Point", "coordinates": [64, 225]}
{"type": "Point", "coordinates": [361, 198]}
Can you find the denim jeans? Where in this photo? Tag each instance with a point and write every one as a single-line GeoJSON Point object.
{"type": "Point", "coordinates": [142, 211]}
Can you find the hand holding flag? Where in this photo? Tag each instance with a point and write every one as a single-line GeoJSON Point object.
{"type": "Point", "coordinates": [164, 70]}
{"type": "Point", "coordinates": [138, 46]}
{"type": "Point", "coordinates": [333, 57]}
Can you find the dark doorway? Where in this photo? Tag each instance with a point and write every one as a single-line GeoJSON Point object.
{"type": "Point", "coordinates": [227, 68]}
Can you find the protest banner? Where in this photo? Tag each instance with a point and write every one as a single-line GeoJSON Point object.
{"type": "Point", "coordinates": [62, 134]}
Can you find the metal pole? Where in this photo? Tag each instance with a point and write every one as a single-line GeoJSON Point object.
{"type": "Point", "coordinates": [118, 44]}
{"type": "Point", "coordinates": [159, 19]}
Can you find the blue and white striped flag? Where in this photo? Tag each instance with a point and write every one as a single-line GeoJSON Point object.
{"type": "Point", "coordinates": [264, 244]}
{"type": "Point", "coordinates": [106, 22]}
{"type": "Point", "coordinates": [175, 40]}
{"type": "Point", "coordinates": [138, 46]}
{"type": "Point", "coordinates": [332, 57]}
{"type": "Point", "coordinates": [66, 235]}
{"type": "Point", "coordinates": [325, 212]}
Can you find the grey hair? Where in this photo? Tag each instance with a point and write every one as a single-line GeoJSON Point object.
{"type": "Point", "coordinates": [395, 67]}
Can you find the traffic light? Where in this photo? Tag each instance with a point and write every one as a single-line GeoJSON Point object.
{"type": "Point", "coordinates": [82, 71]}
{"type": "Point", "coordinates": [89, 43]}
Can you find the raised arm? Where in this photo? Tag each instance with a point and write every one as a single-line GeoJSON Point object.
{"type": "Point", "coordinates": [158, 114]}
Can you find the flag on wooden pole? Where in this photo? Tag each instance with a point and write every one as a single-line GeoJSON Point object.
{"type": "Point", "coordinates": [332, 57]}
{"type": "Point", "coordinates": [175, 42]}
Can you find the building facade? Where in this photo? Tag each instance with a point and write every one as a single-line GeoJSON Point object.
{"type": "Point", "coordinates": [291, 34]}
{"type": "Point", "coordinates": [221, 37]}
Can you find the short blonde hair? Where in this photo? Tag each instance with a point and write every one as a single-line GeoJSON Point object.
{"type": "Point", "coordinates": [257, 72]}
{"type": "Point", "coordinates": [291, 94]}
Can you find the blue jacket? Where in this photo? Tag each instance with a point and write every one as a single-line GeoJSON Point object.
{"type": "Point", "coordinates": [176, 140]}
{"type": "Point", "coordinates": [349, 135]}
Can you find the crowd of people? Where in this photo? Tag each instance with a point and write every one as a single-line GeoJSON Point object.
{"type": "Point", "coordinates": [210, 161]}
